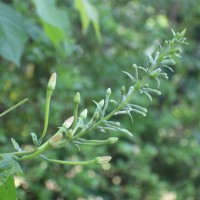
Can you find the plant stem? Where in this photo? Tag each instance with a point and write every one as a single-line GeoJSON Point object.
{"type": "Point", "coordinates": [13, 107]}
{"type": "Point", "coordinates": [88, 162]}
{"type": "Point", "coordinates": [46, 118]}
{"type": "Point", "coordinates": [75, 116]}
{"type": "Point", "coordinates": [41, 149]}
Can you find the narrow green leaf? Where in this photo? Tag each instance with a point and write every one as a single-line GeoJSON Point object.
{"type": "Point", "coordinates": [12, 34]}
{"type": "Point", "coordinates": [34, 138]}
{"type": "Point", "coordinates": [130, 76]}
{"type": "Point", "coordinates": [152, 91]}
{"type": "Point", "coordinates": [158, 81]}
{"type": "Point", "coordinates": [8, 190]}
{"type": "Point", "coordinates": [148, 95]}
{"type": "Point", "coordinates": [16, 145]}
{"type": "Point", "coordinates": [98, 108]}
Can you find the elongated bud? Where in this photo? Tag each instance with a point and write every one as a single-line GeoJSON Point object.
{"type": "Point", "coordinates": [123, 89]}
{"type": "Point", "coordinates": [168, 62]}
{"type": "Point", "coordinates": [103, 159]}
{"type": "Point", "coordinates": [113, 140]}
{"type": "Point", "coordinates": [136, 71]}
{"type": "Point", "coordinates": [130, 90]}
{"type": "Point", "coordinates": [101, 103]}
{"type": "Point", "coordinates": [77, 98]}
{"type": "Point", "coordinates": [68, 122]}
{"type": "Point", "coordinates": [55, 140]}
{"type": "Point", "coordinates": [108, 91]}
{"type": "Point", "coordinates": [52, 81]}
{"type": "Point", "coordinates": [83, 114]}
{"type": "Point", "coordinates": [156, 56]}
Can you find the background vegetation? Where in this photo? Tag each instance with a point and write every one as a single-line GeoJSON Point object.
{"type": "Point", "coordinates": [88, 43]}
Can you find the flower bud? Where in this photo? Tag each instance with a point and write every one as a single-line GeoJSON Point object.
{"type": "Point", "coordinates": [112, 140]}
{"type": "Point", "coordinates": [103, 159]}
{"type": "Point", "coordinates": [68, 122]}
{"type": "Point", "coordinates": [108, 92]}
{"type": "Point", "coordinates": [83, 114]}
{"type": "Point", "coordinates": [123, 89]}
{"type": "Point", "coordinates": [56, 140]}
{"type": "Point", "coordinates": [52, 81]}
{"type": "Point", "coordinates": [77, 98]}
{"type": "Point", "coordinates": [156, 56]}
{"type": "Point", "coordinates": [168, 62]}
{"type": "Point", "coordinates": [101, 103]}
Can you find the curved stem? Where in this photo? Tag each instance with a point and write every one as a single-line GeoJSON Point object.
{"type": "Point", "coordinates": [46, 118]}
{"type": "Point", "coordinates": [88, 162]}
{"type": "Point", "coordinates": [75, 116]}
{"type": "Point", "coordinates": [40, 150]}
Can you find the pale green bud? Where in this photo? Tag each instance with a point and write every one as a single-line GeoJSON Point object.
{"type": "Point", "coordinates": [68, 122]}
{"type": "Point", "coordinates": [77, 98]}
{"type": "Point", "coordinates": [84, 114]}
{"type": "Point", "coordinates": [103, 159]}
{"type": "Point", "coordinates": [113, 140]}
{"type": "Point", "coordinates": [156, 56]}
{"type": "Point", "coordinates": [56, 140]}
{"type": "Point", "coordinates": [108, 92]}
{"type": "Point", "coordinates": [52, 81]}
{"type": "Point", "coordinates": [101, 103]}
{"type": "Point", "coordinates": [123, 89]}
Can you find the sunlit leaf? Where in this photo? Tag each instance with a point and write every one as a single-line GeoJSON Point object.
{"type": "Point", "coordinates": [7, 190]}
{"type": "Point", "coordinates": [54, 20]}
{"type": "Point", "coordinates": [88, 14]}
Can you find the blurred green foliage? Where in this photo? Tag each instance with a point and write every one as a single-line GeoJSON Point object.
{"type": "Point", "coordinates": [36, 39]}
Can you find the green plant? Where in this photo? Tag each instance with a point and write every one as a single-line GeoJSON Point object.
{"type": "Point", "coordinates": [75, 128]}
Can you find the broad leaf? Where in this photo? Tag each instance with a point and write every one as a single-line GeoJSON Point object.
{"type": "Point", "coordinates": [88, 13]}
{"type": "Point", "coordinates": [12, 34]}
{"type": "Point", "coordinates": [54, 20]}
{"type": "Point", "coordinates": [7, 190]}
{"type": "Point", "coordinates": [8, 167]}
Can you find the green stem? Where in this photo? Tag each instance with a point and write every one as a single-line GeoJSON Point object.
{"type": "Point", "coordinates": [13, 107]}
{"type": "Point", "coordinates": [75, 116]}
{"type": "Point", "coordinates": [40, 150]}
{"type": "Point", "coordinates": [93, 161]}
{"type": "Point", "coordinates": [21, 153]}
{"type": "Point", "coordinates": [46, 118]}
